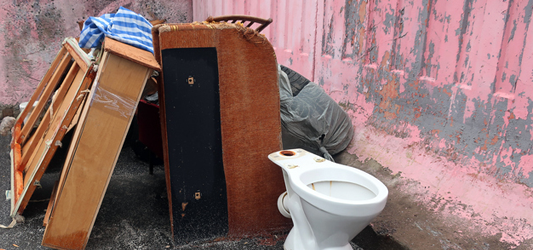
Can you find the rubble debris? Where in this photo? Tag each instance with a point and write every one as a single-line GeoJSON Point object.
{"type": "Point", "coordinates": [6, 125]}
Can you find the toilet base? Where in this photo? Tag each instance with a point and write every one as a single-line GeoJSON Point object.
{"type": "Point", "coordinates": [295, 242]}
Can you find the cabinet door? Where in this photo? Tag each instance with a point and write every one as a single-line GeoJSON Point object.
{"type": "Point", "coordinates": [198, 186]}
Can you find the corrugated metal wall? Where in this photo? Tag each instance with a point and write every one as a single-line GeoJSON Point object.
{"type": "Point", "coordinates": [438, 90]}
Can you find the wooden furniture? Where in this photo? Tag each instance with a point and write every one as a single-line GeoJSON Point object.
{"type": "Point", "coordinates": [33, 144]}
{"type": "Point", "coordinates": [220, 118]}
{"type": "Point", "coordinates": [96, 144]}
{"type": "Point", "coordinates": [150, 130]}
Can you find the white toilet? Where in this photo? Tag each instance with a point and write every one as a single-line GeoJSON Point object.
{"type": "Point", "coordinates": [329, 203]}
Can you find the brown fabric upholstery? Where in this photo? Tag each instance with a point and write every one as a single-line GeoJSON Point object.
{"type": "Point", "coordinates": [250, 119]}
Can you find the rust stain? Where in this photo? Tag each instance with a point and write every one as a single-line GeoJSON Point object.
{"type": "Point", "coordinates": [385, 61]}
{"type": "Point", "coordinates": [418, 112]}
{"type": "Point", "coordinates": [484, 147]}
{"type": "Point", "coordinates": [361, 39]}
{"type": "Point", "coordinates": [511, 116]}
{"type": "Point", "coordinates": [494, 140]}
{"type": "Point", "coordinates": [447, 92]}
{"type": "Point", "coordinates": [362, 11]}
{"type": "Point", "coordinates": [271, 240]}
{"type": "Point", "coordinates": [362, 30]}
{"type": "Point", "coordinates": [415, 85]}
{"type": "Point", "coordinates": [390, 115]}
{"type": "Point", "coordinates": [389, 93]}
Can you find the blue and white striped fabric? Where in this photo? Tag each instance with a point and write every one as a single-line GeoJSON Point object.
{"type": "Point", "coordinates": [125, 26]}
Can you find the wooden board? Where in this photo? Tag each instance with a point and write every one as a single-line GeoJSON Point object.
{"type": "Point", "coordinates": [97, 142]}
{"type": "Point", "coordinates": [131, 53]}
{"type": "Point", "coordinates": [249, 119]}
{"type": "Point", "coordinates": [50, 205]}
{"type": "Point", "coordinates": [68, 77]}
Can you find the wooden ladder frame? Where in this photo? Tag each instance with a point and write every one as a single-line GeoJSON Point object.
{"type": "Point", "coordinates": [34, 143]}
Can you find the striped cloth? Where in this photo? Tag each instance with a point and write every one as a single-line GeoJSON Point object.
{"type": "Point", "coordinates": [125, 26]}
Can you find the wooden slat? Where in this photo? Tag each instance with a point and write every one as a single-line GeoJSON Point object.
{"type": "Point", "coordinates": [26, 129]}
{"type": "Point", "coordinates": [42, 84]}
{"type": "Point", "coordinates": [83, 110]}
{"type": "Point", "coordinates": [131, 53]}
{"type": "Point", "coordinates": [57, 121]}
{"type": "Point", "coordinates": [79, 55]}
{"type": "Point", "coordinates": [30, 145]}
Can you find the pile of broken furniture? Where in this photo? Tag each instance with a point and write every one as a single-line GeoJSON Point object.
{"type": "Point", "coordinates": [219, 114]}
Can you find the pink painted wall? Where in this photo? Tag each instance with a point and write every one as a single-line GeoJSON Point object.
{"type": "Point", "coordinates": [439, 91]}
{"type": "Point", "coordinates": [293, 44]}
{"type": "Point", "coordinates": [31, 33]}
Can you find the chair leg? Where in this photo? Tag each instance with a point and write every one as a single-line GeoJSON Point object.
{"type": "Point", "coordinates": [151, 163]}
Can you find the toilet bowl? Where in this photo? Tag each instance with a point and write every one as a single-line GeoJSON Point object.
{"type": "Point", "coordinates": [329, 203]}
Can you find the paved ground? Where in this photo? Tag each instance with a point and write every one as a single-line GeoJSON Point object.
{"type": "Point", "coordinates": [133, 214]}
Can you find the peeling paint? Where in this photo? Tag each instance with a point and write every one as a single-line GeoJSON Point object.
{"type": "Point", "coordinates": [451, 73]}
{"type": "Point", "coordinates": [31, 33]}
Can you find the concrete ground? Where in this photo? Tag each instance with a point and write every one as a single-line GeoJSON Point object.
{"type": "Point", "coordinates": [133, 215]}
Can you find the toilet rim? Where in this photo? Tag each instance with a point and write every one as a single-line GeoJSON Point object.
{"type": "Point", "coordinates": [338, 173]}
